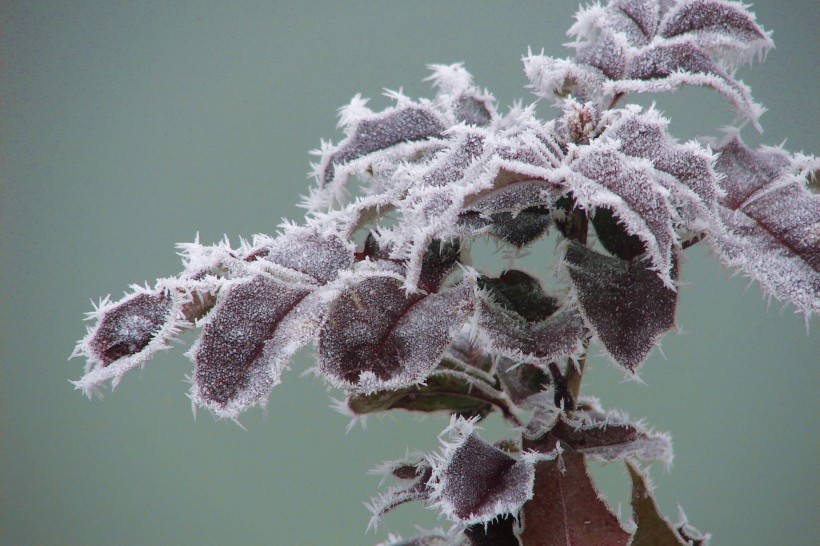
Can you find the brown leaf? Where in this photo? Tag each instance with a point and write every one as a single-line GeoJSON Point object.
{"type": "Point", "coordinates": [653, 528]}
{"type": "Point", "coordinates": [566, 509]}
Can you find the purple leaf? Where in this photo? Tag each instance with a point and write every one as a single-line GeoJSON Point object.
{"type": "Point", "coordinates": [566, 509]}
{"type": "Point", "coordinates": [130, 332]}
{"type": "Point", "coordinates": [474, 482]}
{"type": "Point", "coordinates": [598, 435]}
{"type": "Point", "coordinates": [643, 14]}
{"type": "Point", "coordinates": [715, 21]}
{"type": "Point", "coordinates": [607, 54]}
{"type": "Point", "coordinates": [517, 212]}
{"type": "Point", "coordinates": [376, 336]}
{"type": "Point", "coordinates": [667, 67]}
{"type": "Point", "coordinates": [255, 327]}
{"type": "Point", "coordinates": [508, 334]}
{"type": "Point", "coordinates": [771, 222]}
{"type": "Point", "coordinates": [321, 257]}
{"type": "Point", "coordinates": [603, 177]}
{"type": "Point", "coordinates": [369, 132]}
{"type": "Point", "coordinates": [625, 304]}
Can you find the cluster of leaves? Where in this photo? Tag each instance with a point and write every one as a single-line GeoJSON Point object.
{"type": "Point", "coordinates": [379, 280]}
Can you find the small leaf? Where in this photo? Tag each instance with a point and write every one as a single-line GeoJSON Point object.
{"type": "Point", "coordinates": [378, 337]}
{"type": "Point", "coordinates": [625, 304]}
{"type": "Point", "coordinates": [131, 331]}
{"type": "Point", "coordinates": [597, 435]}
{"type": "Point", "coordinates": [566, 509]}
{"type": "Point", "coordinates": [717, 20]}
{"type": "Point", "coordinates": [653, 528]}
{"type": "Point", "coordinates": [370, 132]}
{"type": "Point", "coordinates": [242, 350]}
{"type": "Point", "coordinates": [474, 482]}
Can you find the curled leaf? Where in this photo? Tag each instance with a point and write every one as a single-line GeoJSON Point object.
{"type": "Point", "coordinates": [130, 332]}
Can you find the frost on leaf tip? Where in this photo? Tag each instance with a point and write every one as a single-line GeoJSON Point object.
{"type": "Point", "coordinates": [475, 482]}
{"type": "Point", "coordinates": [376, 336]}
{"type": "Point", "coordinates": [626, 305]}
{"type": "Point", "coordinates": [771, 222]}
{"type": "Point", "coordinates": [128, 333]}
{"type": "Point", "coordinates": [242, 349]}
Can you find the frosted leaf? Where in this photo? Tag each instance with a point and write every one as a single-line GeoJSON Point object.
{"type": "Point", "coordinates": [643, 134]}
{"type": "Point", "coordinates": [718, 24]}
{"type": "Point", "coordinates": [649, 46]}
{"type": "Point", "coordinates": [601, 436]}
{"type": "Point", "coordinates": [376, 336]}
{"type": "Point", "coordinates": [508, 334]}
{"type": "Point", "coordinates": [559, 78]}
{"type": "Point", "coordinates": [643, 14]}
{"type": "Point", "coordinates": [747, 171]}
{"type": "Point", "coordinates": [458, 96]}
{"type": "Point", "coordinates": [321, 257]}
{"type": "Point", "coordinates": [566, 509]}
{"type": "Point", "coordinates": [521, 382]}
{"type": "Point", "coordinates": [625, 304]}
{"type": "Point", "coordinates": [241, 352]}
{"type": "Point", "coordinates": [439, 260]}
{"type": "Point", "coordinates": [653, 529]}
{"type": "Point", "coordinates": [369, 132]}
{"type": "Point", "coordinates": [474, 482]}
{"type": "Point", "coordinates": [450, 165]}
{"type": "Point", "coordinates": [667, 67]}
{"type": "Point", "coordinates": [517, 212]}
{"type": "Point", "coordinates": [603, 177]}
{"type": "Point", "coordinates": [607, 54]}
{"type": "Point", "coordinates": [520, 293]}
{"type": "Point", "coordinates": [129, 332]}
{"type": "Point", "coordinates": [771, 223]}
{"type": "Point", "coordinates": [417, 473]}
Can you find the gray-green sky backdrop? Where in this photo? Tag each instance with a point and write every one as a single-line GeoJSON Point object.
{"type": "Point", "coordinates": [130, 126]}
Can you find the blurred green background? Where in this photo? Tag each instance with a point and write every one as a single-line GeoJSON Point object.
{"type": "Point", "coordinates": [130, 126]}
